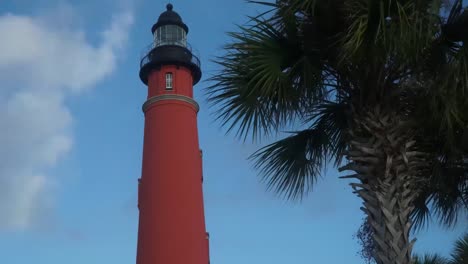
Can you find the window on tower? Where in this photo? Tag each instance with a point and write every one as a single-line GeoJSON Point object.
{"type": "Point", "coordinates": [169, 81]}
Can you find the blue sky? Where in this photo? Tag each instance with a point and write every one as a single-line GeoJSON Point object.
{"type": "Point", "coordinates": [72, 143]}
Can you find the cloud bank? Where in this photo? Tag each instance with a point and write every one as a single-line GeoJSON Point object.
{"type": "Point", "coordinates": [41, 65]}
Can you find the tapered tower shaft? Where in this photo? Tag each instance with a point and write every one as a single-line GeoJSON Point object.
{"type": "Point", "coordinates": [170, 200]}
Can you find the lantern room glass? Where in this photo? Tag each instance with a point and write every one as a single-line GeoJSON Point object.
{"type": "Point", "coordinates": [170, 35]}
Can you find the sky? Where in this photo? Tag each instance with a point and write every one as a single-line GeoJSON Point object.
{"type": "Point", "coordinates": [71, 144]}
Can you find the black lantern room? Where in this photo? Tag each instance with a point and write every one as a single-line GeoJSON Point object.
{"type": "Point", "coordinates": [169, 46]}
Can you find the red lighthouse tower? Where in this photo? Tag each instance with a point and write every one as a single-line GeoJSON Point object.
{"type": "Point", "coordinates": [171, 225]}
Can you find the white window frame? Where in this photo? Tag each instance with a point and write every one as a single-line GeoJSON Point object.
{"type": "Point", "coordinates": [169, 81]}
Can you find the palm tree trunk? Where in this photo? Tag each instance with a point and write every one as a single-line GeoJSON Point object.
{"type": "Point", "coordinates": [382, 157]}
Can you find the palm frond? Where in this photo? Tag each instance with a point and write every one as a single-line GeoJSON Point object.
{"type": "Point", "coordinates": [455, 27]}
{"type": "Point", "coordinates": [379, 30]}
{"type": "Point", "coordinates": [448, 196]}
{"type": "Point", "coordinates": [460, 252]}
{"type": "Point", "coordinates": [430, 259]}
{"type": "Point", "coordinates": [269, 4]}
{"type": "Point", "coordinates": [445, 195]}
{"type": "Point", "coordinates": [291, 166]}
{"type": "Point", "coordinates": [332, 118]}
{"type": "Point", "coordinates": [458, 256]}
{"type": "Point", "coordinates": [293, 6]}
{"type": "Point", "coordinates": [449, 54]}
{"type": "Point", "coordinates": [263, 81]}
{"type": "Point", "coordinates": [272, 7]}
{"type": "Point", "coordinates": [421, 214]}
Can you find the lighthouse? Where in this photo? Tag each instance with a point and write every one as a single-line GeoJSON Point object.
{"type": "Point", "coordinates": [171, 228]}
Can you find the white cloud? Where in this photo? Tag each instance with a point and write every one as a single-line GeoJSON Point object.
{"type": "Point", "coordinates": [40, 65]}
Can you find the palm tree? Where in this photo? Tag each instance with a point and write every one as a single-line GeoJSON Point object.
{"type": "Point", "coordinates": [377, 88]}
{"type": "Point", "coordinates": [459, 255]}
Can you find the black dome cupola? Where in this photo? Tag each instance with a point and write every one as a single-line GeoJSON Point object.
{"type": "Point", "coordinates": [170, 46]}
{"type": "Point", "coordinates": [169, 18]}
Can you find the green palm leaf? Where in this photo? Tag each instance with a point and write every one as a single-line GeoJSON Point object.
{"type": "Point", "coordinates": [292, 165]}
{"type": "Point", "coordinates": [263, 85]}
{"type": "Point", "coordinates": [460, 254]}
{"type": "Point", "coordinates": [430, 259]}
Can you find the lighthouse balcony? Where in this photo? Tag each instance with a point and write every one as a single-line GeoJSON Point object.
{"type": "Point", "coordinates": [156, 56]}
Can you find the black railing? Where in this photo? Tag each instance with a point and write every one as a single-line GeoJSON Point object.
{"type": "Point", "coordinates": [156, 56]}
{"type": "Point", "coordinates": [147, 54]}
